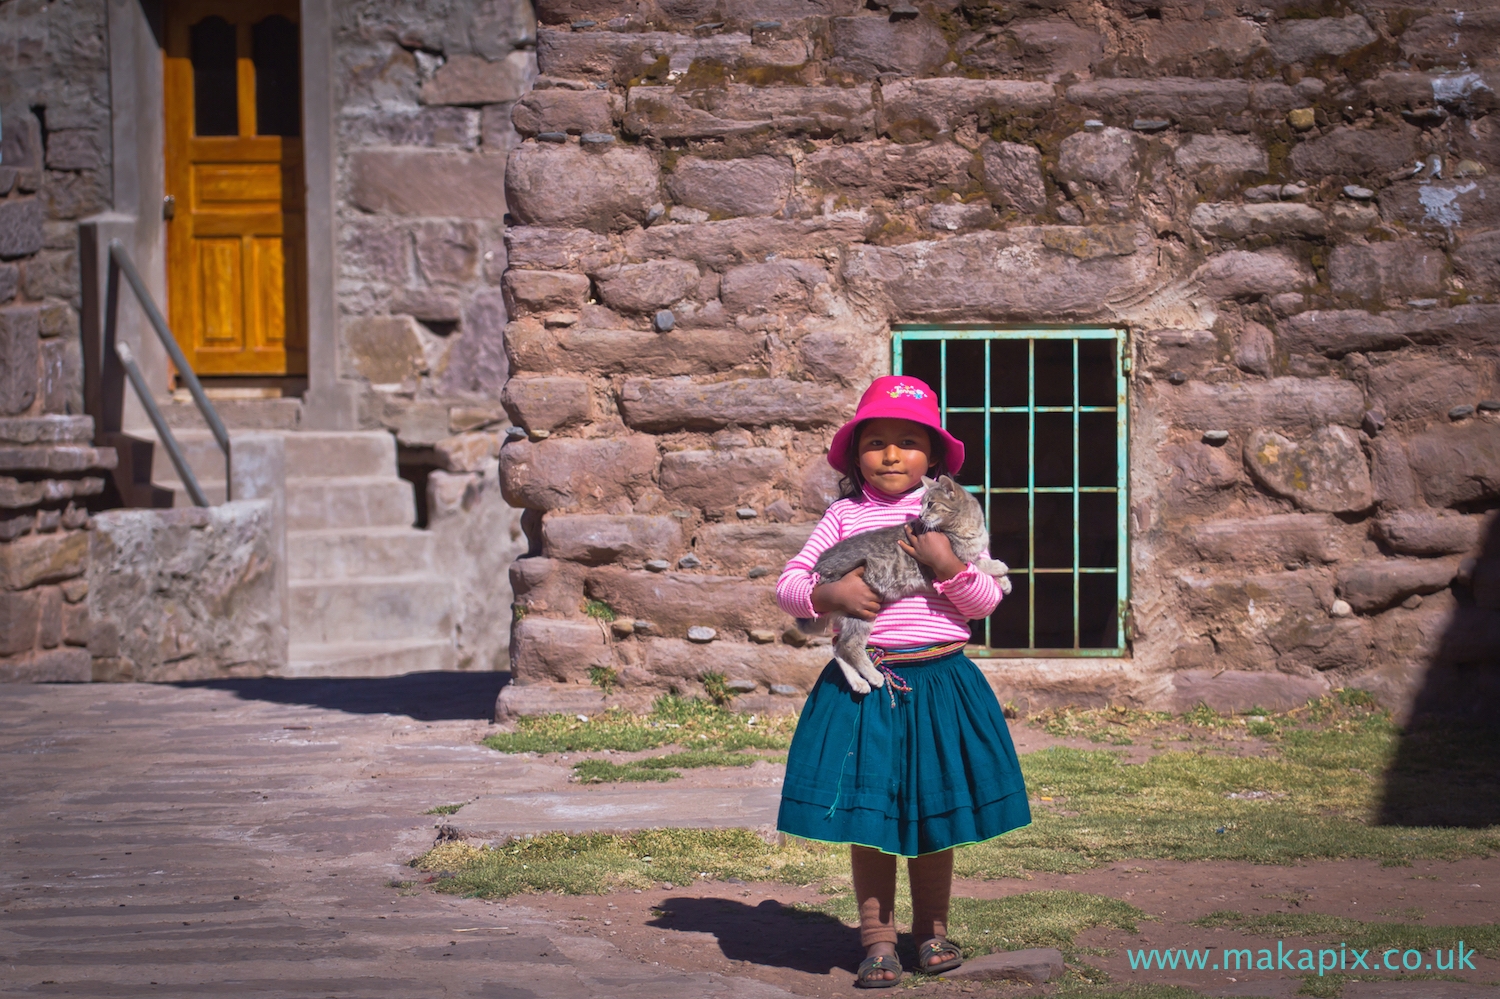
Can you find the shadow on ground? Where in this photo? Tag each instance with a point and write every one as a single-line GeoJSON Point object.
{"type": "Point", "coordinates": [1446, 771]}
{"type": "Point", "coordinates": [420, 696]}
{"type": "Point", "coordinates": [767, 934]}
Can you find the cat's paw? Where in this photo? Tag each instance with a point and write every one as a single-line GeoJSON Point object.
{"type": "Point", "coordinates": [852, 678]}
{"type": "Point", "coordinates": [999, 570]}
{"type": "Point", "coordinates": [869, 672]}
{"type": "Point", "coordinates": [812, 625]}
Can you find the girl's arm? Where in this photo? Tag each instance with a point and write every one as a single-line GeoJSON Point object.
{"type": "Point", "coordinates": [975, 594]}
{"type": "Point", "coordinates": [794, 588]}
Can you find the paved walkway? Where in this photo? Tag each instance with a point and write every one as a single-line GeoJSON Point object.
{"type": "Point", "coordinates": [239, 840]}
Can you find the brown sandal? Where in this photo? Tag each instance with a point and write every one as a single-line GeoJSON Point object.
{"type": "Point", "coordinates": [929, 953]}
{"type": "Point", "coordinates": [872, 966]}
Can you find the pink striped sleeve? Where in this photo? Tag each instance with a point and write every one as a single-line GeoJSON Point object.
{"type": "Point", "coordinates": [973, 593]}
{"type": "Point", "coordinates": [794, 588]}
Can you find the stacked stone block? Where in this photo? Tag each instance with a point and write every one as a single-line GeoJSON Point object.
{"type": "Point", "coordinates": [53, 171]}
{"type": "Point", "coordinates": [722, 208]}
{"type": "Point", "coordinates": [48, 470]}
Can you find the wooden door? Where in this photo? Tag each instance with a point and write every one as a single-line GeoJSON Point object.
{"type": "Point", "coordinates": [236, 245]}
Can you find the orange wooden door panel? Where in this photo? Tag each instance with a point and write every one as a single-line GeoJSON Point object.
{"type": "Point", "coordinates": [236, 249]}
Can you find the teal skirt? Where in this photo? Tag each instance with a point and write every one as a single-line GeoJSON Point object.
{"type": "Point", "coordinates": [906, 773]}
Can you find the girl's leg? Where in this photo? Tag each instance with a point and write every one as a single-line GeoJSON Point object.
{"type": "Point", "coordinates": [875, 890]}
{"type": "Point", "coordinates": [931, 887]}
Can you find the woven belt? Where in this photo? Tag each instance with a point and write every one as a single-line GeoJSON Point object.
{"type": "Point", "coordinates": [916, 655]}
{"type": "Point", "coordinates": [882, 659]}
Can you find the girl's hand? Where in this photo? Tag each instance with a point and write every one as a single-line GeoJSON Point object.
{"type": "Point", "coordinates": [933, 550]}
{"type": "Point", "coordinates": [850, 596]}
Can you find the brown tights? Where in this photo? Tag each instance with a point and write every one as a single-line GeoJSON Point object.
{"type": "Point", "coordinates": [875, 888]}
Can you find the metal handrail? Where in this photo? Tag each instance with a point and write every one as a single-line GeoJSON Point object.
{"type": "Point", "coordinates": [179, 461]}
{"type": "Point", "coordinates": [119, 262]}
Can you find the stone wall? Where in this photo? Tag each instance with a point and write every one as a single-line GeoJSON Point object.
{"type": "Point", "coordinates": [423, 120]}
{"type": "Point", "coordinates": [423, 125]}
{"type": "Point", "coordinates": [48, 470]}
{"type": "Point", "coordinates": [721, 208]}
{"type": "Point", "coordinates": [54, 170]}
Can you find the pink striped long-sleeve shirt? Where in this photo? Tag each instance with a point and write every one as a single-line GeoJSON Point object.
{"type": "Point", "coordinates": [923, 619]}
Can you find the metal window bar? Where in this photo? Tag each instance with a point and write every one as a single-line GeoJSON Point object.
{"type": "Point", "coordinates": [120, 263]}
{"type": "Point", "coordinates": [1076, 490]}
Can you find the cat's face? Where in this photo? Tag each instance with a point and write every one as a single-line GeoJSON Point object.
{"type": "Point", "coordinates": [948, 506]}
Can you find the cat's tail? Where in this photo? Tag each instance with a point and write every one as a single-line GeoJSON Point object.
{"type": "Point", "coordinates": [813, 625]}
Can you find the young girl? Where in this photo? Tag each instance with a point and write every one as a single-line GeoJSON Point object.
{"type": "Point", "coordinates": [924, 763]}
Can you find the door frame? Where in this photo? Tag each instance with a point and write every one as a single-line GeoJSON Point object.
{"type": "Point", "coordinates": [137, 97]}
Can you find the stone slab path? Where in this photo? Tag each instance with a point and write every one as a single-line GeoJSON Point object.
{"type": "Point", "coordinates": [239, 840]}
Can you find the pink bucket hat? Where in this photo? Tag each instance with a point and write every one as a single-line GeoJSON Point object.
{"type": "Point", "coordinates": [898, 397]}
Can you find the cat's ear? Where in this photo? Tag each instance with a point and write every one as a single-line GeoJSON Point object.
{"type": "Point", "coordinates": [949, 484]}
{"type": "Point", "coordinates": [928, 482]}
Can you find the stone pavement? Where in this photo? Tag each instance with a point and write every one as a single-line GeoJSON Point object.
{"type": "Point", "coordinates": [238, 839]}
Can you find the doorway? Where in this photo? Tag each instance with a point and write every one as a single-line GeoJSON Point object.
{"type": "Point", "coordinates": [235, 207]}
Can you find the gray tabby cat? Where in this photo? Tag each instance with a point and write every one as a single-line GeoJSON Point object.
{"type": "Point", "coordinates": [893, 573]}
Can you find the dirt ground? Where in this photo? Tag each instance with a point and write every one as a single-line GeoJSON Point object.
{"type": "Point", "coordinates": [250, 839]}
{"type": "Point", "coordinates": [748, 929]}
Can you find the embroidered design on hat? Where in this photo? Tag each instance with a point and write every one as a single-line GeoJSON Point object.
{"type": "Point", "coordinates": [905, 389]}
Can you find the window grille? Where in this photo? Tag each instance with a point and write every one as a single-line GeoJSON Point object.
{"type": "Point", "coordinates": [1043, 417]}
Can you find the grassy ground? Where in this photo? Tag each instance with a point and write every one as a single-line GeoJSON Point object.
{"type": "Point", "coordinates": [595, 863]}
{"type": "Point", "coordinates": [1376, 936]}
{"type": "Point", "coordinates": [660, 768]}
{"type": "Point", "coordinates": [1330, 780]}
{"type": "Point", "coordinates": [1311, 789]}
{"type": "Point", "coordinates": [673, 721]}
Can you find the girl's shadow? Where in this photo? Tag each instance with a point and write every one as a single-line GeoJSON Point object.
{"type": "Point", "coordinates": [769, 933]}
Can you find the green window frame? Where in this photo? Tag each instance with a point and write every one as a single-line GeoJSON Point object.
{"type": "Point", "coordinates": [1059, 518]}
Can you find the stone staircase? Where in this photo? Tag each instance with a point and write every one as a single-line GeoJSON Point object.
{"type": "Point", "coordinates": [365, 596]}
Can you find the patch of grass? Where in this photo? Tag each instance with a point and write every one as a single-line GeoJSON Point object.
{"type": "Point", "coordinates": [660, 768]}
{"type": "Point", "coordinates": [1097, 725]}
{"type": "Point", "coordinates": [599, 610]}
{"type": "Point", "coordinates": [1324, 771]}
{"type": "Point", "coordinates": [1376, 936]}
{"type": "Point", "coordinates": [1034, 919]}
{"type": "Point", "coordinates": [605, 772]}
{"type": "Point", "coordinates": [714, 686]}
{"type": "Point", "coordinates": [605, 678]}
{"type": "Point", "coordinates": [445, 809]}
{"type": "Point", "coordinates": [1094, 990]}
{"type": "Point", "coordinates": [673, 719]}
{"type": "Point", "coordinates": [597, 863]}
{"type": "Point", "coordinates": [1174, 806]}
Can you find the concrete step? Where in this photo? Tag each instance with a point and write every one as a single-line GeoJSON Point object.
{"type": "Point", "coordinates": [318, 454]}
{"type": "Point", "coordinates": [369, 659]}
{"type": "Point", "coordinates": [372, 608]}
{"type": "Point", "coordinates": [342, 553]}
{"type": "Point", "coordinates": [212, 488]}
{"type": "Point", "coordinates": [198, 447]}
{"type": "Point", "coordinates": [237, 414]}
{"type": "Point", "coordinates": [309, 454]}
{"type": "Point", "coordinates": [366, 501]}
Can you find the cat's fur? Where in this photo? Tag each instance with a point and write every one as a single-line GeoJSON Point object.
{"type": "Point", "coordinates": [893, 573]}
